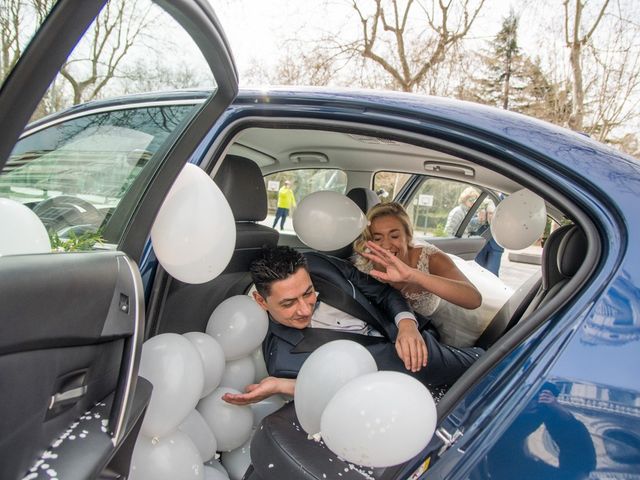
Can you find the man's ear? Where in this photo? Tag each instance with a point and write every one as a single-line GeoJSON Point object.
{"type": "Point", "coordinates": [260, 300]}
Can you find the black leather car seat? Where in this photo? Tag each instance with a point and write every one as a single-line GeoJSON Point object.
{"type": "Point", "coordinates": [365, 198]}
{"type": "Point", "coordinates": [242, 183]}
{"type": "Point", "coordinates": [188, 307]}
{"type": "Point", "coordinates": [563, 253]}
{"type": "Point", "coordinates": [281, 450]}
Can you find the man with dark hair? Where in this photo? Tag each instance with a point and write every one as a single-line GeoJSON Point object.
{"type": "Point", "coordinates": [348, 305]}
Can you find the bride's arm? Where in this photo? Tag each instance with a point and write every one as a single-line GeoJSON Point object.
{"type": "Point", "coordinates": [444, 280]}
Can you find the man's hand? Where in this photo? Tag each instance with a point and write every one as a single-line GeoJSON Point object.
{"type": "Point", "coordinates": [410, 345]}
{"type": "Point", "coordinates": [396, 271]}
{"type": "Point", "coordinates": [256, 392]}
{"type": "Point", "coordinates": [547, 397]}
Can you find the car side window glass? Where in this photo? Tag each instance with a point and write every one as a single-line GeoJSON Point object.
{"type": "Point", "coordinates": [480, 222]}
{"type": "Point", "coordinates": [73, 167]}
{"type": "Point", "coordinates": [286, 189]}
{"type": "Point", "coordinates": [439, 207]}
{"type": "Point", "coordinates": [388, 184]}
{"type": "Point", "coordinates": [73, 174]}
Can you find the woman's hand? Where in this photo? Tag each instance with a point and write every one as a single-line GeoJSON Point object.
{"type": "Point", "coordinates": [256, 392]}
{"type": "Point", "coordinates": [396, 271]}
{"type": "Point", "coordinates": [410, 345]}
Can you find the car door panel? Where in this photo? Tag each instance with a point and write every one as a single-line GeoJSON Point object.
{"type": "Point", "coordinates": [466, 248]}
{"type": "Point", "coordinates": [84, 451]}
{"type": "Point", "coordinates": [66, 346]}
{"type": "Point", "coordinates": [72, 324]}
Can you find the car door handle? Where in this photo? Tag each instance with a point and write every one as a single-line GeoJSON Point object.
{"type": "Point", "coordinates": [73, 394]}
{"type": "Point", "coordinates": [69, 389]}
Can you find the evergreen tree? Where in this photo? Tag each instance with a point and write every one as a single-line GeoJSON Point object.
{"type": "Point", "coordinates": [511, 80]}
{"type": "Point", "coordinates": [508, 54]}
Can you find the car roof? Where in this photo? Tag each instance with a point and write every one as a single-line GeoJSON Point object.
{"type": "Point", "coordinates": [568, 151]}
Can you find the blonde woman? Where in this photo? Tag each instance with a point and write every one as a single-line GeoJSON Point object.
{"type": "Point", "coordinates": [465, 201]}
{"type": "Point", "coordinates": [423, 273]}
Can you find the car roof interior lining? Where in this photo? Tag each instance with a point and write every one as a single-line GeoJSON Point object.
{"type": "Point", "coordinates": [490, 171]}
{"type": "Point", "coordinates": [263, 135]}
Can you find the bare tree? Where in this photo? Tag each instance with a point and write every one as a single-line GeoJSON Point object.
{"type": "Point", "coordinates": [407, 51]}
{"type": "Point", "coordinates": [112, 36]}
{"type": "Point", "coordinates": [614, 91]}
{"type": "Point", "coordinates": [296, 67]}
{"type": "Point", "coordinates": [576, 41]}
{"type": "Point", "coordinates": [18, 21]}
{"type": "Point", "coordinates": [10, 45]}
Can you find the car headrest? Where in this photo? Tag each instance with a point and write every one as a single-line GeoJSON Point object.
{"type": "Point", "coordinates": [551, 275]}
{"type": "Point", "coordinates": [572, 251]}
{"type": "Point", "coordinates": [241, 182]}
{"type": "Point", "coordinates": [365, 198]}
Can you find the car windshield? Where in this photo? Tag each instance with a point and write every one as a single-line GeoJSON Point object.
{"type": "Point", "coordinates": [88, 161]}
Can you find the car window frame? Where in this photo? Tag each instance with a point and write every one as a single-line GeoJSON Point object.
{"type": "Point", "coordinates": [409, 189]}
{"type": "Point", "coordinates": [54, 42]}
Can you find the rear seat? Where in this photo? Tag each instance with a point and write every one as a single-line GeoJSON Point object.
{"type": "Point", "coordinates": [562, 255]}
{"type": "Point", "coordinates": [281, 449]}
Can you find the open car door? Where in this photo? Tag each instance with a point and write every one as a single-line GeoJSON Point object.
{"type": "Point", "coordinates": [72, 324]}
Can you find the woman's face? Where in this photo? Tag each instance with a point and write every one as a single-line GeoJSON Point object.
{"type": "Point", "coordinates": [389, 233]}
{"type": "Point", "coordinates": [470, 201]}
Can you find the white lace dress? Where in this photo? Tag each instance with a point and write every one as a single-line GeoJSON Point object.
{"type": "Point", "coordinates": [424, 303]}
{"type": "Point", "coordinates": [457, 326]}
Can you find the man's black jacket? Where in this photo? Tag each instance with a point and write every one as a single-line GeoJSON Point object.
{"type": "Point", "coordinates": [342, 286]}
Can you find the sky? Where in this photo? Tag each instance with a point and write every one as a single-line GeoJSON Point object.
{"type": "Point", "coordinates": [257, 29]}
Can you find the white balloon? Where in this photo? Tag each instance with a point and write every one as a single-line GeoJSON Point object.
{"type": "Point", "coordinates": [186, 234]}
{"type": "Point", "coordinates": [239, 325]}
{"type": "Point", "coordinates": [168, 458]}
{"type": "Point", "coordinates": [230, 424]}
{"type": "Point", "coordinates": [237, 461]}
{"type": "Point", "coordinates": [266, 407]}
{"type": "Point", "coordinates": [212, 473]}
{"type": "Point", "coordinates": [23, 231]}
{"type": "Point", "coordinates": [325, 371]}
{"type": "Point", "coordinates": [200, 434]}
{"type": "Point", "coordinates": [258, 362]}
{"type": "Point", "coordinates": [519, 220]}
{"type": "Point", "coordinates": [212, 357]}
{"type": "Point", "coordinates": [328, 220]}
{"type": "Point", "coordinates": [216, 465]}
{"type": "Point", "coordinates": [379, 419]}
{"type": "Point", "coordinates": [172, 364]}
{"type": "Point", "coordinates": [238, 374]}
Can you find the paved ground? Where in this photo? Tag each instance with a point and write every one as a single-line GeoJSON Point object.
{"type": "Point", "coordinates": [512, 273]}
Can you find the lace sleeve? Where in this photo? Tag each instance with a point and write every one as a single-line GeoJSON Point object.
{"type": "Point", "coordinates": [362, 264]}
{"type": "Point", "coordinates": [425, 303]}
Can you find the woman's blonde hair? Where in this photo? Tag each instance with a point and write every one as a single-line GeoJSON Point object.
{"type": "Point", "coordinates": [466, 194]}
{"type": "Point", "coordinates": [388, 209]}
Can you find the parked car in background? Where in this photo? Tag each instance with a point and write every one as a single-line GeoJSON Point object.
{"type": "Point", "coordinates": [554, 396]}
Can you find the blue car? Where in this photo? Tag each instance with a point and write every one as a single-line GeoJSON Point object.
{"type": "Point", "coordinates": [554, 396]}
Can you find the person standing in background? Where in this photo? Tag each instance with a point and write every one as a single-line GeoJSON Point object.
{"type": "Point", "coordinates": [286, 202]}
{"type": "Point", "coordinates": [491, 254]}
{"type": "Point", "coordinates": [465, 201]}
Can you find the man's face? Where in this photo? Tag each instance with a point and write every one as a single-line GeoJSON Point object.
{"type": "Point", "coordinates": [291, 301]}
